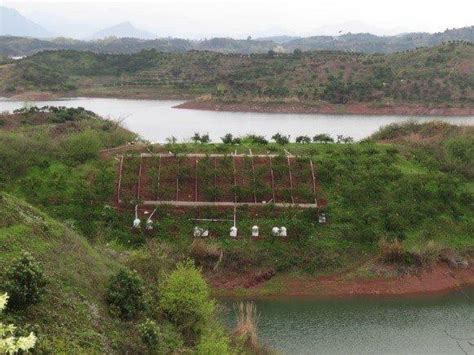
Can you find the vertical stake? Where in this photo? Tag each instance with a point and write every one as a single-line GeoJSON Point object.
{"type": "Point", "coordinates": [139, 179]}
{"type": "Point", "coordinates": [254, 179]}
{"type": "Point", "coordinates": [291, 179]}
{"type": "Point", "coordinates": [314, 182]}
{"type": "Point", "coordinates": [273, 180]}
{"type": "Point", "coordinates": [120, 179]}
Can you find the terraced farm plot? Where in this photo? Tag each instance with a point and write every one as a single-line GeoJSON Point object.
{"type": "Point", "coordinates": [216, 180]}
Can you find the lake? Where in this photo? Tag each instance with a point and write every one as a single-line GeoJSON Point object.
{"type": "Point", "coordinates": [416, 325]}
{"type": "Point", "coordinates": [156, 120]}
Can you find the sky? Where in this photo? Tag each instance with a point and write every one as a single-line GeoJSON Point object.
{"type": "Point", "coordinates": [241, 18]}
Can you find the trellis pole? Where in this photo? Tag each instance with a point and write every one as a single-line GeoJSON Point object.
{"type": "Point", "coordinates": [139, 179]}
{"type": "Point", "coordinates": [159, 179]}
{"type": "Point", "coordinates": [119, 187]}
{"type": "Point", "coordinates": [291, 179]}
{"type": "Point", "coordinates": [195, 179]}
{"type": "Point", "coordinates": [314, 182]}
{"type": "Point", "coordinates": [253, 174]}
{"type": "Point", "coordinates": [235, 175]}
{"type": "Point", "coordinates": [273, 180]}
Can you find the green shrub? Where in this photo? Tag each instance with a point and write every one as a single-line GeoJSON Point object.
{"type": "Point", "coordinates": [281, 139]}
{"type": "Point", "coordinates": [82, 146]}
{"type": "Point", "coordinates": [25, 282]}
{"type": "Point", "coordinates": [162, 339]}
{"type": "Point", "coordinates": [213, 341]}
{"type": "Point", "coordinates": [150, 333]}
{"type": "Point", "coordinates": [185, 299]}
{"type": "Point", "coordinates": [125, 294]}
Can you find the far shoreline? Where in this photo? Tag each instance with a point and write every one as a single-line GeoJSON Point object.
{"type": "Point", "coordinates": [328, 109]}
{"type": "Point", "coordinates": [367, 109]}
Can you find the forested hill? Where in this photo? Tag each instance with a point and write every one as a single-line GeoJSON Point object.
{"type": "Point", "coordinates": [442, 75]}
{"type": "Point", "coordinates": [361, 42]}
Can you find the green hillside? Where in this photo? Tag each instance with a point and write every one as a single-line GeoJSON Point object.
{"type": "Point", "coordinates": [73, 316]}
{"type": "Point", "coordinates": [437, 76]}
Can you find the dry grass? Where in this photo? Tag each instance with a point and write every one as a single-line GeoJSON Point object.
{"type": "Point", "coordinates": [205, 254]}
{"type": "Point", "coordinates": [392, 251]}
{"type": "Point", "coordinates": [246, 327]}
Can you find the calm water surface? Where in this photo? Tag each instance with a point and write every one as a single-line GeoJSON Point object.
{"type": "Point", "coordinates": [156, 120]}
{"type": "Point", "coordinates": [366, 326]}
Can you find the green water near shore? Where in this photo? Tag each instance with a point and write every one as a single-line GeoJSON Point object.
{"type": "Point", "coordinates": [420, 325]}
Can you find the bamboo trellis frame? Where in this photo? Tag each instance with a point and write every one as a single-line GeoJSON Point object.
{"type": "Point", "coordinates": [234, 203]}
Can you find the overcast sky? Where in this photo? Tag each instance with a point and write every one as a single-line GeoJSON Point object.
{"type": "Point", "coordinates": [239, 18]}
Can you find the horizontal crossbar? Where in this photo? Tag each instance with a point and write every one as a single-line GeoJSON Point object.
{"type": "Point", "coordinates": [227, 204]}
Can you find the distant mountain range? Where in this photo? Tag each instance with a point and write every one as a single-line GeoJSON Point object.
{"type": "Point", "coordinates": [361, 42]}
{"type": "Point", "coordinates": [123, 30]}
{"type": "Point", "coordinates": [13, 23]}
{"type": "Point", "coordinates": [20, 36]}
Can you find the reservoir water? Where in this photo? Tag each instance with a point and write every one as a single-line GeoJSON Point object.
{"type": "Point", "coordinates": [416, 325]}
{"type": "Point", "coordinates": [156, 120]}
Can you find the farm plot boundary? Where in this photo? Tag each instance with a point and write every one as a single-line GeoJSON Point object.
{"type": "Point", "coordinates": [219, 180]}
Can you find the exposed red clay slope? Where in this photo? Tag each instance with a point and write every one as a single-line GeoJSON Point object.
{"type": "Point", "coordinates": [438, 279]}
{"type": "Point", "coordinates": [351, 108]}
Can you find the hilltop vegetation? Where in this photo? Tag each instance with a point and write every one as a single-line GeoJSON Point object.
{"type": "Point", "coordinates": [357, 42]}
{"type": "Point", "coordinates": [439, 76]}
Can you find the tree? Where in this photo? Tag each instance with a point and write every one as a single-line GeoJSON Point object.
{"type": "Point", "coordinates": [281, 139]}
{"type": "Point", "coordinates": [125, 294]}
{"type": "Point", "coordinates": [297, 52]}
{"type": "Point", "coordinates": [228, 139]}
{"type": "Point", "coordinates": [261, 140]}
{"type": "Point", "coordinates": [196, 138]}
{"type": "Point", "coordinates": [205, 138]}
{"type": "Point", "coordinates": [303, 139]}
{"type": "Point", "coordinates": [185, 299]}
{"type": "Point", "coordinates": [25, 282]}
{"type": "Point", "coordinates": [171, 140]}
{"type": "Point", "coordinates": [9, 343]}
{"type": "Point", "coordinates": [322, 138]}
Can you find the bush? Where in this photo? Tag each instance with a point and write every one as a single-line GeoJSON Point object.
{"type": "Point", "coordinates": [303, 139]}
{"type": "Point", "coordinates": [322, 138]}
{"type": "Point", "coordinates": [150, 333]}
{"type": "Point", "coordinates": [213, 341]}
{"type": "Point", "coordinates": [125, 294]}
{"type": "Point", "coordinates": [254, 139]}
{"type": "Point", "coordinates": [25, 282]}
{"type": "Point", "coordinates": [185, 300]}
{"type": "Point", "coordinates": [228, 138]}
{"type": "Point", "coordinates": [281, 139]}
{"type": "Point", "coordinates": [10, 343]}
{"type": "Point", "coordinates": [161, 339]}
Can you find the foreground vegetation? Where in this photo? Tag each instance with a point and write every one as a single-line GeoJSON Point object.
{"type": "Point", "coordinates": [65, 284]}
{"type": "Point", "coordinates": [397, 202]}
{"type": "Point", "coordinates": [430, 77]}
